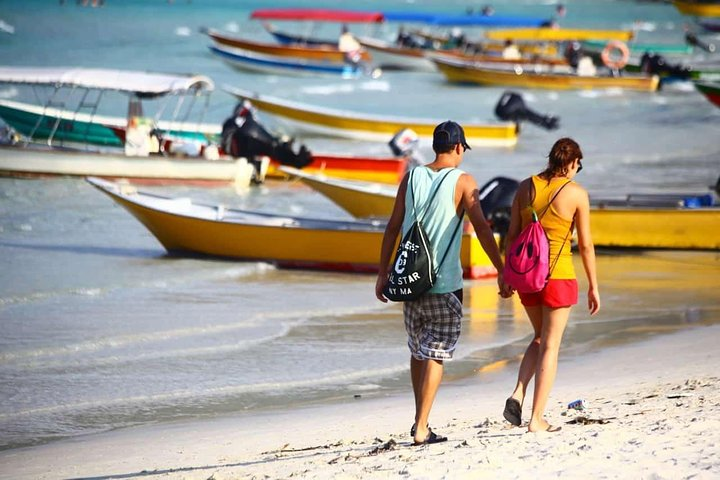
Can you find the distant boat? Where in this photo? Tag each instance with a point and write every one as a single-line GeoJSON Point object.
{"type": "Point", "coordinates": [257, 62]}
{"type": "Point", "coordinates": [74, 140]}
{"type": "Point", "coordinates": [315, 53]}
{"type": "Point", "coordinates": [309, 119]}
{"type": "Point", "coordinates": [698, 8]}
{"type": "Point", "coordinates": [185, 227]}
{"type": "Point", "coordinates": [388, 55]}
{"type": "Point", "coordinates": [538, 76]}
{"type": "Point", "coordinates": [711, 90]}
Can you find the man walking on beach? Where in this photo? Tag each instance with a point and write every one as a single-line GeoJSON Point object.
{"type": "Point", "coordinates": [433, 320]}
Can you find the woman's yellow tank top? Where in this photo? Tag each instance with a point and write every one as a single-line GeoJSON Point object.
{"type": "Point", "coordinates": [557, 228]}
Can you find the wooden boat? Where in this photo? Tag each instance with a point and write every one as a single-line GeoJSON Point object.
{"type": "Point", "coordinates": [57, 126]}
{"type": "Point", "coordinates": [538, 76]}
{"type": "Point", "coordinates": [33, 161]}
{"type": "Point", "coordinates": [54, 141]}
{"type": "Point", "coordinates": [387, 55]}
{"type": "Point", "coordinates": [557, 34]}
{"type": "Point", "coordinates": [388, 170]}
{"type": "Point", "coordinates": [317, 53]}
{"type": "Point", "coordinates": [674, 221]}
{"type": "Point", "coordinates": [257, 62]}
{"type": "Point", "coordinates": [698, 8]}
{"type": "Point", "coordinates": [359, 199]}
{"type": "Point", "coordinates": [340, 123]}
{"type": "Point", "coordinates": [184, 227]}
{"type": "Point", "coordinates": [656, 221]}
{"type": "Point", "coordinates": [711, 90]}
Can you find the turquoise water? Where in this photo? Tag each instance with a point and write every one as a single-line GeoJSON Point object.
{"type": "Point", "coordinates": [100, 330]}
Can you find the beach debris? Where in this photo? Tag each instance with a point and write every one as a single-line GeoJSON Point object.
{"type": "Point", "coordinates": [462, 444]}
{"type": "Point", "coordinates": [589, 421]}
{"type": "Point", "coordinates": [680, 395]}
{"type": "Point", "coordinates": [578, 404]}
{"type": "Point", "coordinates": [385, 447]}
{"type": "Point", "coordinates": [284, 448]}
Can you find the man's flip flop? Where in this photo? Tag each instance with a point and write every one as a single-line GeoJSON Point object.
{"type": "Point", "coordinates": [513, 411]}
{"type": "Point", "coordinates": [432, 437]}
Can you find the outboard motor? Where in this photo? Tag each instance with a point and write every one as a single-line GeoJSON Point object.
{"type": "Point", "coordinates": [496, 198]}
{"type": "Point", "coordinates": [511, 107]}
{"type": "Point", "coordinates": [403, 142]}
{"type": "Point", "coordinates": [244, 136]}
{"type": "Point", "coordinates": [692, 39]}
{"type": "Point", "coordinates": [652, 63]}
{"type": "Point", "coordinates": [573, 53]}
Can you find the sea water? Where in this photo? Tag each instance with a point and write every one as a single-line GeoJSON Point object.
{"type": "Point", "coordinates": [100, 329]}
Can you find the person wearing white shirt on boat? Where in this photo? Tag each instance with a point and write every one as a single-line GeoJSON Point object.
{"type": "Point", "coordinates": [349, 45]}
{"type": "Point", "coordinates": [511, 51]}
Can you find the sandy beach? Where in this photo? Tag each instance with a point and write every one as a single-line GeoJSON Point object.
{"type": "Point", "coordinates": [653, 412]}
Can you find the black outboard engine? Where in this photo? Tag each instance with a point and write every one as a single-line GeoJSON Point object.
{"type": "Point", "coordinates": [573, 53]}
{"type": "Point", "coordinates": [652, 63]}
{"type": "Point", "coordinates": [244, 136]}
{"type": "Point", "coordinates": [511, 107]}
{"type": "Point", "coordinates": [692, 39]}
{"type": "Point", "coordinates": [496, 198]}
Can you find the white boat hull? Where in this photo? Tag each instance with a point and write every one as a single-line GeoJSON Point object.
{"type": "Point", "coordinates": [19, 161]}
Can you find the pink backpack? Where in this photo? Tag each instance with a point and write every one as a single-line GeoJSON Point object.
{"type": "Point", "coordinates": [527, 263]}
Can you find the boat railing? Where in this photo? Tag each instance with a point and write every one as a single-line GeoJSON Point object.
{"type": "Point", "coordinates": [50, 103]}
{"type": "Point", "coordinates": [84, 103]}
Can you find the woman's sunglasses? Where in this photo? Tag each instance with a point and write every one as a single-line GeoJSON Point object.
{"type": "Point", "coordinates": [579, 166]}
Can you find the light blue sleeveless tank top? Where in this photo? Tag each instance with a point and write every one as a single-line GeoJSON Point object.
{"type": "Point", "coordinates": [439, 220]}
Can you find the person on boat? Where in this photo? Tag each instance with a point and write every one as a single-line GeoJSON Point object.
{"type": "Point", "coordinates": [511, 51]}
{"type": "Point", "coordinates": [566, 206]}
{"type": "Point", "coordinates": [404, 39]}
{"type": "Point", "coordinates": [349, 45]}
{"type": "Point", "coordinates": [243, 136]}
{"type": "Point", "coordinates": [433, 320]}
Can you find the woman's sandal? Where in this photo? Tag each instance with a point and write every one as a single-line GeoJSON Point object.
{"type": "Point", "coordinates": [432, 437]}
{"type": "Point", "coordinates": [513, 411]}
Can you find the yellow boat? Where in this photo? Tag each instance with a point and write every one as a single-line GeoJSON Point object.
{"type": "Point", "coordinates": [359, 199]}
{"type": "Point", "coordinates": [303, 118]}
{"type": "Point", "coordinates": [187, 228]}
{"type": "Point", "coordinates": [669, 227]}
{"type": "Point", "coordinates": [638, 221]}
{"type": "Point", "coordinates": [538, 76]}
{"type": "Point", "coordinates": [557, 34]}
{"type": "Point", "coordinates": [698, 9]}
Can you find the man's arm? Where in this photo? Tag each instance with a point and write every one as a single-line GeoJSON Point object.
{"type": "Point", "coordinates": [392, 230]}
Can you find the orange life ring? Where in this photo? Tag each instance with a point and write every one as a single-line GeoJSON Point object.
{"type": "Point", "coordinates": [609, 51]}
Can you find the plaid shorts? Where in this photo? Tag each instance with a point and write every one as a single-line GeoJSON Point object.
{"type": "Point", "coordinates": [433, 324]}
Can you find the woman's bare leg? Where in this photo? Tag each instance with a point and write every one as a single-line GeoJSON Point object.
{"type": "Point", "coordinates": [553, 327]}
{"type": "Point", "coordinates": [528, 365]}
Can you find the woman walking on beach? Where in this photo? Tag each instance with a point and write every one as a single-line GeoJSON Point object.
{"type": "Point", "coordinates": [561, 205]}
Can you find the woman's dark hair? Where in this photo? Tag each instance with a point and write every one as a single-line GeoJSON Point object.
{"type": "Point", "coordinates": [562, 154]}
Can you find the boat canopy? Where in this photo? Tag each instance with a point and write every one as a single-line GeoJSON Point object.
{"type": "Point", "coordinates": [140, 83]}
{"type": "Point", "coordinates": [359, 16]}
{"type": "Point", "coordinates": [463, 20]}
{"type": "Point", "coordinates": [317, 15]}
